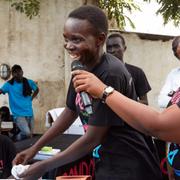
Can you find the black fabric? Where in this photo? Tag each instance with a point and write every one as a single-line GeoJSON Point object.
{"type": "Point", "coordinates": [141, 83]}
{"type": "Point", "coordinates": [27, 91]}
{"type": "Point", "coordinates": [125, 152]}
{"type": "Point", "coordinates": [7, 154]}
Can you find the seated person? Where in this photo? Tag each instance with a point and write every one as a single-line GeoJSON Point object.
{"type": "Point", "coordinates": [5, 116]}
{"type": "Point", "coordinates": [7, 153]}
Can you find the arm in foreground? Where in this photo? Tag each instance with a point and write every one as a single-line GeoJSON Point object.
{"type": "Point", "coordinates": [164, 125]}
{"type": "Point", "coordinates": [65, 119]}
{"type": "Point", "coordinates": [78, 149]}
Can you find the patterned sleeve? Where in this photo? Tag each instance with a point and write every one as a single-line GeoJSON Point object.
{"type": "Point", "coordinates": [178, 104]}
{"type": "Point", "coordinates": [175, 99]}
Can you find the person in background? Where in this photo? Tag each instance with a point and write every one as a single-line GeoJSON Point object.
{"type": "Point", "coordinates": [21, 91]}
{"type": "Point", "coordinates": [124, 152]}
{"type": "Point", "coordinates": [7, 154]}
{"type": "Point", "coordinates": [172, 83]}
{"type": "Point", "coordinates": [5, 116]}
{"type": "Point", "coordinates": [116, 46]}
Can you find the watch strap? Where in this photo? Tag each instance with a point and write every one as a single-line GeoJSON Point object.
{"type": "Point", "coordinates": [106, 93]}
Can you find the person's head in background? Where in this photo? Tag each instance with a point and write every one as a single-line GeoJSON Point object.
{"type": "Point", "coordinates": [116, 45]}
{"type": "Point", "coordinates": [85, 32]}
{"type": "Point", "coordinates": [5, 114]}
{"type": "Point", "coordinates": [176, 47]}
{"type": "Point", "coordinates": [17, 73]}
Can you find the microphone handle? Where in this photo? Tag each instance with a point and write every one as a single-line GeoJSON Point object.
{"type": "Point", "coordinates": [87, 102]}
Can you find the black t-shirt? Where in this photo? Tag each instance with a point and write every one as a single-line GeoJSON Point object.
{"type": "Point", "coordinates": [140, 81]}
{"type": "Point", "coordinates": [7, 154]}
{"type": "Point", "coordinates": [125, 153]}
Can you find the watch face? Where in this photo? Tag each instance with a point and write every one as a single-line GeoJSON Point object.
{"type": "Point", "coordinates": [109, 89]}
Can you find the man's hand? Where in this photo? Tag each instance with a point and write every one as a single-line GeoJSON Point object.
{"type": "Point", "coordinates": [34, 171]}
{"type": "Point", "coordinates": [24, 156]}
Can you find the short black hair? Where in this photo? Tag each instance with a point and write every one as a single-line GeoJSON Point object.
{"type": "Point", "coordinates": [93, 15]}
{"type": "Point", "coordinates": [118, 35]}
{"type": "Point", "coordinates": [175, 42]}
{"type": "Point", "coordinates": [16, 68]}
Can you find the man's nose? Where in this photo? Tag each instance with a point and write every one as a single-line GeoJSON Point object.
{"type": "Point", "coordinates": [69, 45]}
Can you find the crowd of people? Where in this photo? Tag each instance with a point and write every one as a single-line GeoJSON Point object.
{"type": "Point", "coordinates": [121, 122]}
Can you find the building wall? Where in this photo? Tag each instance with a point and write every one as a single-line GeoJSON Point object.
{"type": "Point", "coordinates": [37, 45]}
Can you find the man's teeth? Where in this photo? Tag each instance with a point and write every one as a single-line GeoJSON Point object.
{"type": "Point", "coordinates": [74, 56]}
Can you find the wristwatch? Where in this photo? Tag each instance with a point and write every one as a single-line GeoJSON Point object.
{"type": "Point", "coordinates": [107, 91]}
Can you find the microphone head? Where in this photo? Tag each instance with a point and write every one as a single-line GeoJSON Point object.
{"type": "Point", "coordinates": [76, 65]}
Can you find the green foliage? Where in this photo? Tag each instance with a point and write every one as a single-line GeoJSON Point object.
{"type": "Point", "coordinates": [170, 10]}
{"type": "Point", "coordinates": [29, 7]}
{"type": "Point", "coordinates": [116, 9]}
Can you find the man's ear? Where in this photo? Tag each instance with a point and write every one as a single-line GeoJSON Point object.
{"type": "Point", "coordinates": [101, 39]}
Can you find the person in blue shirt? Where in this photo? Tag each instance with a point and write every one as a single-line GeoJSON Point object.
{"type": "Point", "coordinates": [21, 92]}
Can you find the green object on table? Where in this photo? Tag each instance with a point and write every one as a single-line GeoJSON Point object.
{"type": "Point", "coordinates": [47, 149]}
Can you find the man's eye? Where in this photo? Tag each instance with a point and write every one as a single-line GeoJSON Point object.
{"type": "Point", "coordinates": [76, 40]}
{"type": "Point", "coordinates": [65, 40]}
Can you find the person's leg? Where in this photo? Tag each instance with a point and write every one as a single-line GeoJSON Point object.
{"type": "Point", "coordinates": [24, 127]}
{"type": "Point", "coordinates": [30, 121]}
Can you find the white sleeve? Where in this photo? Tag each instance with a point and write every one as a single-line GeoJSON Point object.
{"type": "Point", "coordinates": [163, 98]}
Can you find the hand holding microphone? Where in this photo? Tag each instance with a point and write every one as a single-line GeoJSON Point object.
{"type": "Point", "coordinates": [76, 65]}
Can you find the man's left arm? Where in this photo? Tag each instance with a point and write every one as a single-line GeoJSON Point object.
{"type": "Point", "coordinates": [35, 93]}
{"type": "Point", "coordinates": [84, 145]}
{"type": "Point", "coordinates": [35, 89]}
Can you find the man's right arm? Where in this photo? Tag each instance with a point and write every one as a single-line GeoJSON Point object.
{"type": "Point", "coordinates": [64, 120]}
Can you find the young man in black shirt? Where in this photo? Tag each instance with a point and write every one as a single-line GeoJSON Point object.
{"type": "Point", "coordinates": [124, 153]}
{"type": "Point", "coordinates": [116, 46]}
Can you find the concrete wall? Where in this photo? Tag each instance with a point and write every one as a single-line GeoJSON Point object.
{"type": "Point", "coordinates": [37, 45]}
